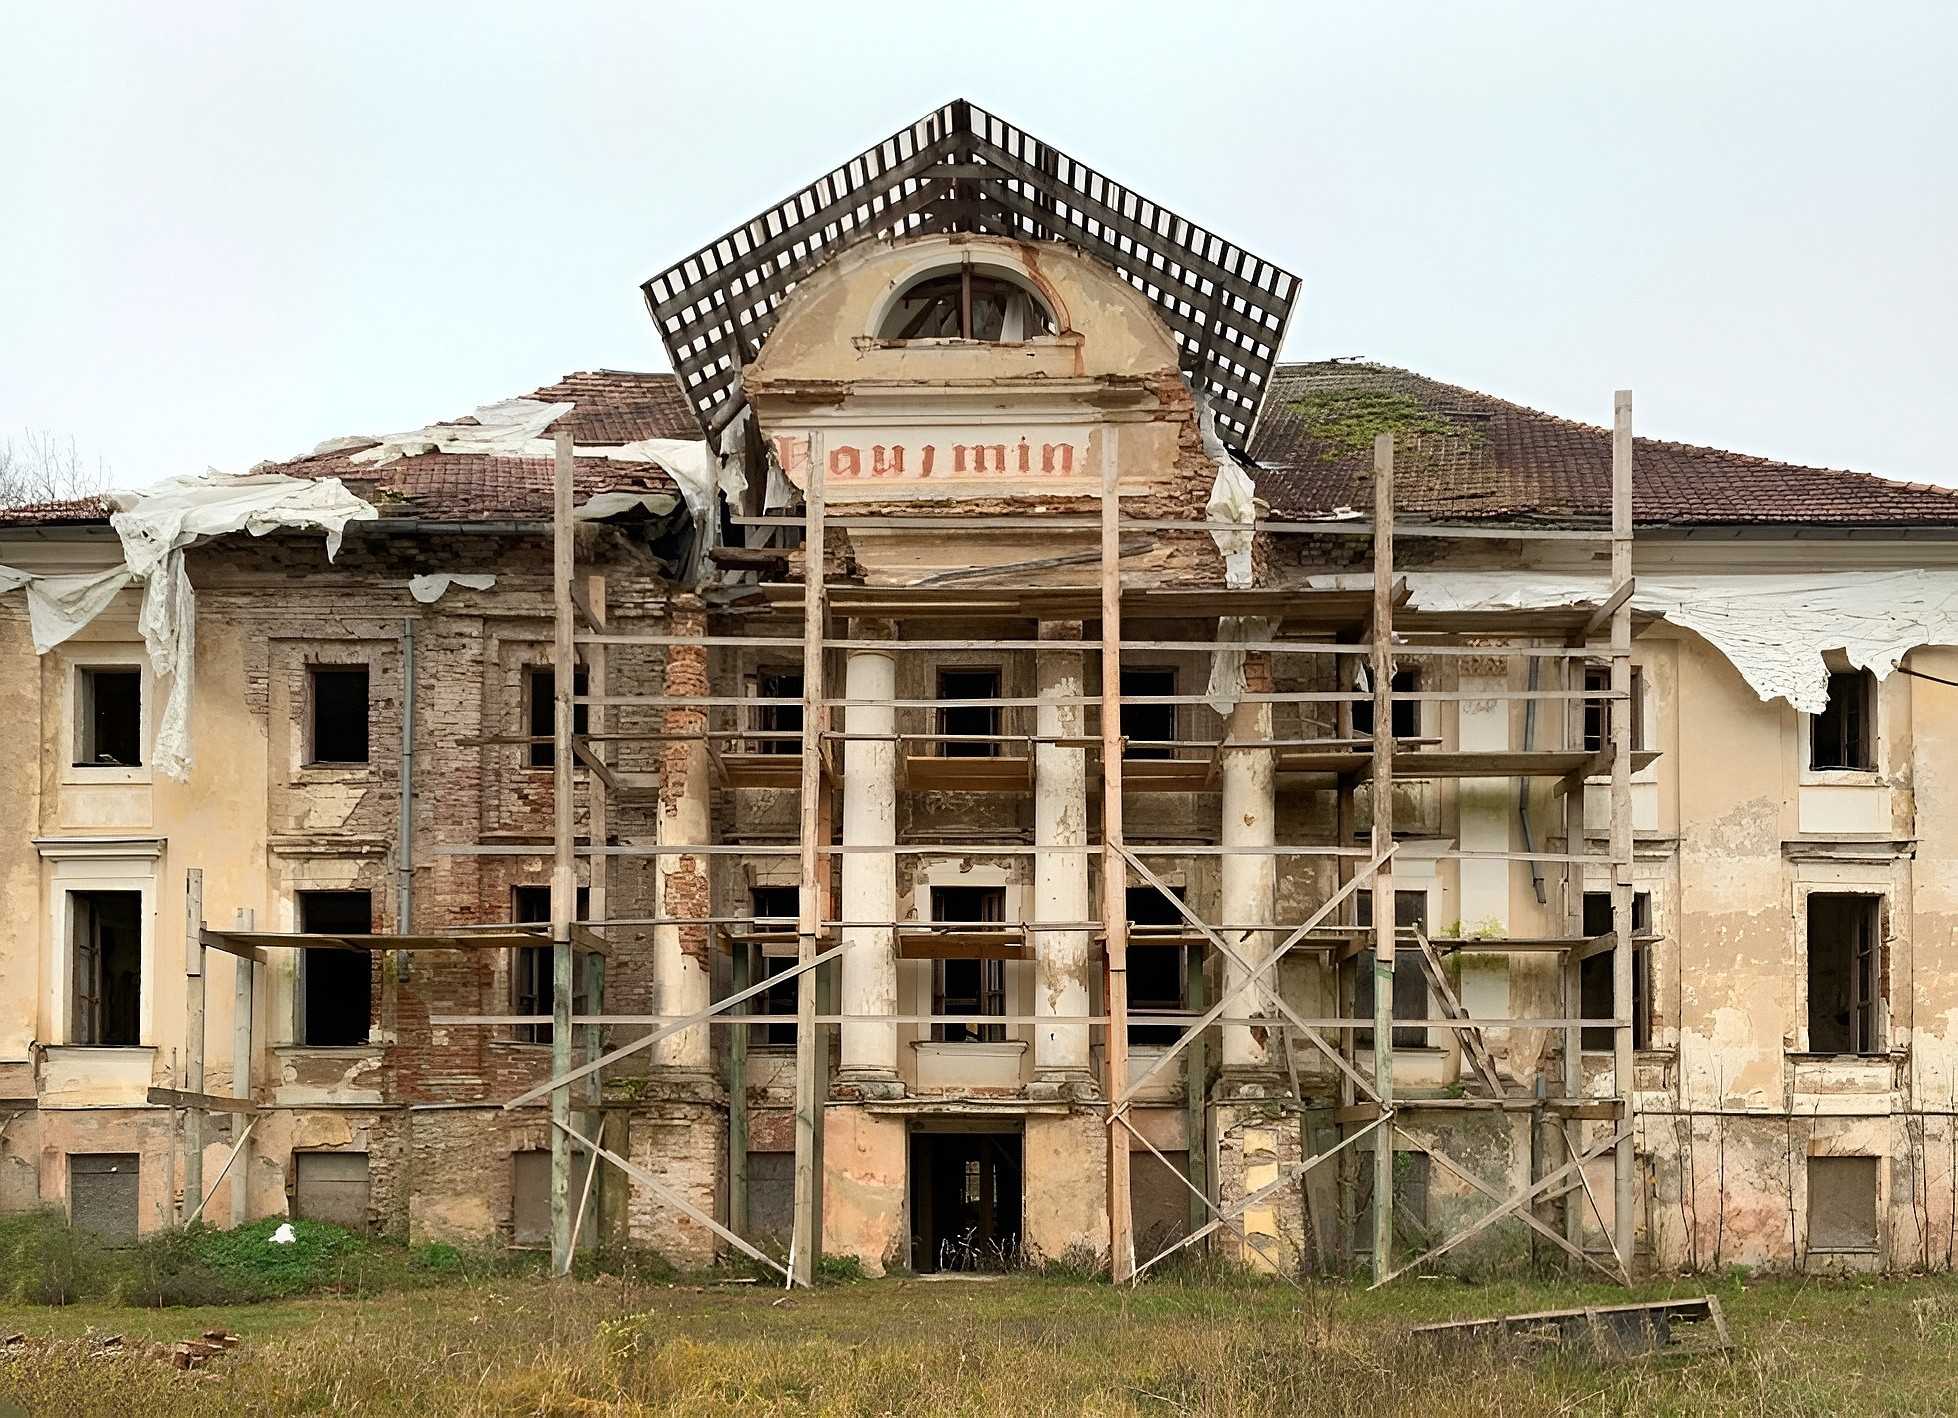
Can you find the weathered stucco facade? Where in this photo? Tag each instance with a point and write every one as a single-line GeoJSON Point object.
{"type": "Point", "coordinates": [1795, 1100]}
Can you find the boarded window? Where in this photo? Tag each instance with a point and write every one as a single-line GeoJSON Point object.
{"type": "Point", "coordinates": [968, 987]}
{"type": "Point", "coordinates": [776, 908]}
{"type": "Point", "coordinates": [108, 717]}
{"type": "Point", "coordinates": [338, 711]}
{"type": "Point", "coordinates": [1412, 1171]}
{"type": "Point", "coordinates": [1845, 981]}
{"type": "Point", "coordinates": [1843, 735]}
{"type": "Point", "coordinates": [336, 986]}
{"type": "Point", "coordinates": [969, 721]}
{"type": "Point", "coordinates": [1410, 979]}
{"type": "Point", "coordinates": [103, 1189]}
{"type": "Point", "coordinates": [331, 1186]}
{"type": "Point", "coordinates": [771, 1195]}
{"type": "Point", "coordinates": [532, 985]}
{"type": "Point", "coordinates": [1594, 974]}
{"type": "Point", "coordinates": [530, 1197]}
{"type": "Point", "coordinates": [1406, 712]}
{"type": "Point", "coordinates": [1159, 1200]}
{"type": "Point", "coordinates": [540, 709]}
{"type": "Point", "coordinates": [1149, 728]}
{"type": "Point", "coordinates": [1842, 1203]}
{"type": "Point", "coordinates": [106, 986]}
{"type": "Point", "coordinates": [781, 722]}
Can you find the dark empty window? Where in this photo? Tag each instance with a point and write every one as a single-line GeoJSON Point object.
{"type": "Point", "coordinates": [1149, 728]}
{"type": "Point", "coordinates": [336, 986]}
{"type": "Point", "coordinates": [1406, 712]}
{"type": "Point", "coordinates": [967, 304]}
{"type": "Point", "coordinates": [782, 722]}
{"type": "Point", "coordinates": [1158, 974]}
{"type": "Point", "coordinates": [532, 985]}
{"type": "Point", "coordinates": [1410, 980]}
{"type": "Point", "coordinates": [107, 983]}
{"type": "Point", "coordinates": [1845, 973]}
{"type": "Point", "coordinates": [339, 714]}
{"type": "Point", "coordinates": [969, 987]}
{"type": "Point", "coordinates": [541, 693]}
{"type": "Point", "coordinates": [969, 721]}
{"type": "Point", "coordinates": [109, 717]}
{"type": "Point", "coordinates": [1594, 974]}
{"type": "Point", "coordinates": [777, 909]}
{"type": "Point", "coordinates": [1597, 710]}
{"type": "Point", "coordinates": [1843, 734]}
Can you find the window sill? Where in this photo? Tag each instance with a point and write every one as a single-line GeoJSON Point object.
{"type": "Point", "coordinates": [1841, 778]}
{"type": "Point", "coordinates": [80, 774]}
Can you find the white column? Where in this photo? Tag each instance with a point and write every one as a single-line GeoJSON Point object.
{"type": "Point", "coordinates": [869, 966]}
{"type": "Point", "coordinates": [1249, 894]}
{"type": "Point", "coordinates": [1064, 963]}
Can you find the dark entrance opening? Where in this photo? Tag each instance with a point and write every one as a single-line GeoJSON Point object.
{"type": "Point", "coordinates": [965, 1200]}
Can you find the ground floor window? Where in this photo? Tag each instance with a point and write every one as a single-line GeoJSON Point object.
{"type": "Point", "coordinates": [1410, 978]}
{"type": "Point", "coordinates": [106, 955]}
{"type": "Point", "coordinates": [1845, 973]}
{"type": "Point", "coordinates": [336, 986]}
{"type": "Point", "coordinates": [103, 1193]}
{"type": "Point", "coordinates": [965, 1200]}
{"type": "Point", "coordinates": [1594, 974]}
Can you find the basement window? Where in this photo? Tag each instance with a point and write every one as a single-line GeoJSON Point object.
{"type": "Point", "coordinates": [540, 696]}
{"type": "Point", "coordinates": [336, 987]}
{"type": "Point", "coordinates": [1843, 735]}
{"type": "Point", "coordinates": [1597, 711]}
{"type": "Point", "coordinates": [969, 720]}
{"type": "Point", "coordinates": [1845, 973]}
{"type": "Point", "coordinates": [108, 717]}
{"type": "Point", "coordinates": [1594, 974]}
{"type": "Point", "coordinates": [1842, 1209]}
{"type": "Point", "coordinates": [1150, 728]}
{"type": "Point", "coordinates": [969, 987]}
{"type": "Point", "coordinates": [967, 304]}
{"type": "Point", "coordinates": [106, 987]}
{"type": "Point", "coordinates": [777, 719]}
{"type": "Point", "coordinates": [1406, 712]}
{"type": "Point", "coordinates": [337, 707]}
{"type": "Point", "coordinates": [776, 908]}
{"type": "Point", "coordinates": [1413, 1173]}
{"type": "Point", "coordinates": [1158, 974]}
{"type": "Point", "coordinates": [1410, 980]}
{"type": "Point", "coordinates": [532, 986]}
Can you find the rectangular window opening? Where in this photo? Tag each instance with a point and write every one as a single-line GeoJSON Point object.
{"type": "Point", "coordinates": [1413, 1172]}
{"type": "Point", "coordinates": [107, 957]}
{"type": "Point", "coordinates": [109, 717]}
{"type": "Point", "coordinates": [1594, 974]}
{"type": "Point", "coordinates": [1158, 974]}
{"type": "Point", "coordinates": [1842, 1203]}
{"type": "Point", "coordinates": [1406, 712]}
{"type": "Point", "coordinates": [540, 694]}
{"type": "Point", "coordinates": [532, 985]}
{"type": "Point", "coordinates": [1597, 712]}
{"type": "Point", "coordinates": [777, 720]}
{"type": "Point", "coordinates": [1410, 979]}
{"type": "Point", "coordinates": [1843, 735]}
{"type": "Point", "coordinates": [1845, 973]}
{"type": "Point", "coordinates": [776, 908]}
{"type": "Point", "coordinates": [977, 720]}
{"type": "Point", "coordinates": [970, 987]}
{"type": "Point", "coordinates": [336, 986]}
{"type": "Point", "coordinates": [338, 711]}
{"type": "Point", "coordinates": [1150, 728]}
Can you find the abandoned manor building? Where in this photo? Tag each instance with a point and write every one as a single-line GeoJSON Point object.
{"type": "Point", "coordinates": [985, 764]}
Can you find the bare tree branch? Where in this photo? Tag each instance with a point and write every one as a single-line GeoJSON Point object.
{"type": "Point", "coordinates": [40, 467]}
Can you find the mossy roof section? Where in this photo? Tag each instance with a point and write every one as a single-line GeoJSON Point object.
{"type": "Point", "coordinates": [1467, 456]}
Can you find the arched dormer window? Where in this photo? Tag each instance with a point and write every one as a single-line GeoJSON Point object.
{"type": "Point", "coordinates": [966, 303]}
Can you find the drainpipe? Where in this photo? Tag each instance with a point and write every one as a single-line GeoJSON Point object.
{"type": "Point", "coordinates": [1523, 785]}
{"type": "Point", "coordinates": [404, 861]}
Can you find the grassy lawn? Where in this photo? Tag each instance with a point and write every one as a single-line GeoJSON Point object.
{"type": "Point", "coordinates": [526, 1345]}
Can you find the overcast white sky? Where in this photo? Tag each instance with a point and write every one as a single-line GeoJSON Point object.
{"type": "Point", "coordinates": [228, 231]}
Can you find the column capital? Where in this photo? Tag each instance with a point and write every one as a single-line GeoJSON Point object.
{"type": "Point", "coordinates": [1060, 630]}
{"type": "Point", "coordinates": [872, 628]}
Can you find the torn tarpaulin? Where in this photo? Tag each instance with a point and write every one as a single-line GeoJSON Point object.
{"type": "Point", "coordinates": [1232, 500]}
{"type": "Point", "coordinates": [431, 588]}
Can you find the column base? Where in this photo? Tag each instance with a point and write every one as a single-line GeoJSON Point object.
{"type": "Point", "coordinates": [1249, 1085]}
{"type": "Point", "coordinates": [867, 1085]}
{"type": "Point", "coordinates": [1064, 1085]}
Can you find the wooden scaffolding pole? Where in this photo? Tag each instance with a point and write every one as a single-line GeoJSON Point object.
{"type": "Point", "coordinates": [1382, 633]}
{"type": "Point", "coordinates": [242, 971]}
{"type": "Point", "coordinates": [1623, 1227]}
{"type": "Point", "coordinates": [810, 1085]}
{"type": "Point", "coordinates": [193, 1041]}
{"type": "Point", "coordinates": [564, 871]}
{"type": "Point", "coordinates": [1114, 870]}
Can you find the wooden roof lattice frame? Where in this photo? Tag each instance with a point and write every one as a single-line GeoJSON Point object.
{"type": "Point", "coordinates": [961, 169]}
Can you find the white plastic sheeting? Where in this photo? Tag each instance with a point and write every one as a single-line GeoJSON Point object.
{"type": "Point", "coordinates": [1233, 498]}
{"type": "Point", "coordinates": [156, 524]}
{"type": "Point", "coordinates": [1773, 628]}
{"type": "Point", "coordinates": [431, 588]}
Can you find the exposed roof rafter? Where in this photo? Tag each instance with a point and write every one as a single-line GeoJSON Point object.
{"type": "Point", "coordinates": [961, 169]}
